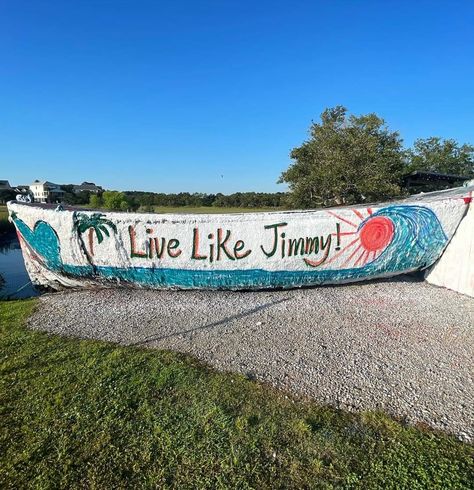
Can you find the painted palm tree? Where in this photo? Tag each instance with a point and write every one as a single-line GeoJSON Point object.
{"type": "Point", "coordinates": [94, 223]}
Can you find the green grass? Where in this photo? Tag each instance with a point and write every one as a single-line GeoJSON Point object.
{"type": "Point", "coordinates": [87, 414]}
{"type": "Point", "coordinates": [3, 212]}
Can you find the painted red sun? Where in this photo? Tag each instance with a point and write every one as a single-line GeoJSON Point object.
{"type": "Point", "coordinates": [374, 236]}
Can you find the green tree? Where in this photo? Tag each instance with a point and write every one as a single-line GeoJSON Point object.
{"type": "Point", "coordinates": [73, 198]}
{"type": "Point", "coordinates": [113, 200]}
{"type": "Point", "coordinates": [442, 155]}
{"type": "Point", "coordinates": [346, 160]}
{"type": "Point", "coordinates": [95, 201]}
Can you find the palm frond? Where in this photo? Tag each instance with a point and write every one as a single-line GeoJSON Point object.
{"type": "Point", "coordinates": [97, 221]}
{"type": "Point", "coordinates": [100, 237]}
{"type": "Point", "coordinates": [103, 228]}
{"type": "Point", "coordinates": [84, 226]}
{"type": "Point", "coordinates": [109, 224]}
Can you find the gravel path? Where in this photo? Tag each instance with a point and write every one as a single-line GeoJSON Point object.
{"type": "Point", "coordinates": [401, 346]}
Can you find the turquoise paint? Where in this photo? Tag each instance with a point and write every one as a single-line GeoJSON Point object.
{"type": "Point", "coordinates": [418, 240]}
{"type": "Point", "coordinates": [43, 240]}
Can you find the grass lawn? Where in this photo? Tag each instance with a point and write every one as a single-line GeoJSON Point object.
{"type": "Point", "coordinates": [94, 415]}
{"type": "Point", "coordinates": [3, 212]}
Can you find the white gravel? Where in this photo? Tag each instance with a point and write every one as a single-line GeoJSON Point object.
{"type": "Point", "coordinates": [401, 346]}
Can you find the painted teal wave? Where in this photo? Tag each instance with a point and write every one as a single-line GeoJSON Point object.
{"type": "Point", "coordinates": [417, 242]}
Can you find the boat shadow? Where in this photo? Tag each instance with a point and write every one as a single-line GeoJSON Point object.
{"type": "Point", "coordinates": [224, 321]}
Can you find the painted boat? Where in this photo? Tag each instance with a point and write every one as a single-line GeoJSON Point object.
{"type": "Point", "coordinates": [80, 248]}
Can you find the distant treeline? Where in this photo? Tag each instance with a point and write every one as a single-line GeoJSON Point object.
{"type": "Point", "coordinates": [147, 201]}
{"type": "Point", "coordinates": [236, 200]}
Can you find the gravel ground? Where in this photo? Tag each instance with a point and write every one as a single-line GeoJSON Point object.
{"type": "Point", "coordinates": [402, 346]}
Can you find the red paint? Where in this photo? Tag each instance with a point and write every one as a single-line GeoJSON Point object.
{"type": "Point", "coordinates": [133, 251]}
{"type": "Point", "coordinates": [377, 233]}
{"type": "Point", "coordinates": [342, 219]}
{"type": "Point", "coordinates": [316, 263]}
{"type": "Point", "coordinates": [91, 240]}
{"type": "Point", "coordinates": [345, 233]}
{"type": "Point", "coordinates": [195, 254]}
{"type": "Point", "coordinates": [362, 260]}
{"type": "Point", "coordinates": [352, 254]}
{"type": "Point", "coordinates": [342, 251]}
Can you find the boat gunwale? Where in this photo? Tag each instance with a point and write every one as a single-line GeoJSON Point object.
{"type": "Point", "coordinates": [442, 195]}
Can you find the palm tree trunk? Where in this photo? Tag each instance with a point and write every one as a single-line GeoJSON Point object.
{"type": "Point", "coordinates": [91, 240]}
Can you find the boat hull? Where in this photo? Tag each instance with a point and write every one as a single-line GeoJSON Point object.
{"type": "Point", "coordinates": [78, 248]}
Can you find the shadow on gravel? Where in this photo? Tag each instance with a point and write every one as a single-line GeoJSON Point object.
{"type": "Point", "coordinates": [212, 325]}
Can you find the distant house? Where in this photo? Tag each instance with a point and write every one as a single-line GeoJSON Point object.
{"type": "Point", "coordinates": [87, 187]}
{"type": "Point", "coordinates": [422, 180]}
{"type": "Point", "coordinates": [44, 191]}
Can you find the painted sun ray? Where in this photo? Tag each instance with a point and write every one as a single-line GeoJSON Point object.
{"type": "Point", "coordinates": [360, 258]}
{"type": "Point", "coordinates": [366, 258]}
{"type": "Point", "coordinates": [358, 213]}
{"type": "Point", "coordinates": [345, 233]}
{"type": "Point", "coordinates": [342, 251]}
{"type": "Point", "coordinates": [352, 254]}
{"type": "Point", "coordinates": [342, 219]}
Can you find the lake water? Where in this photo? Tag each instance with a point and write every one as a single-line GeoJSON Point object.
{"type": "Point", "coordinates": [14, 280]}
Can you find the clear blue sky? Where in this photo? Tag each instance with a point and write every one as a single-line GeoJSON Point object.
{"type": "Point", "coordinates": [212, 95]}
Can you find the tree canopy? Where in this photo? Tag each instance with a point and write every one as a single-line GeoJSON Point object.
{"type": "Point", "coordinates": [112, 200]}
{"type": "Point", "coordinates": [115, 200]}
{"type": "Point", "coordinates": [351, 159]}
{"type": "Point", "coordinates": [347, 159]}
{"type": "Point", "coordinates": [442, 155]}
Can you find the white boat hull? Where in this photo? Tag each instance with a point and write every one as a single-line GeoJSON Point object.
{"type": "Point", "coordinates": [72, 248]}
